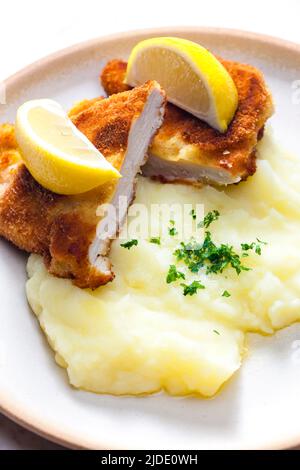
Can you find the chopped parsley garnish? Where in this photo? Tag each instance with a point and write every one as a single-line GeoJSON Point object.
{"type": "Point", "coordinates": [226, 294]}
{"type": "Point", "coordinates": [209, 218]}
{"type": "Point", "coordinates": [173, 274]}
{"type": "Point", "coordinates": [253, 246]}
{"type": "Point", "coordinates": [216, 331]}
{"type": "Point", "coordinates": [155, 240]}
{"type": "Point", "coordinates": [129, 244]}
{"type": "Point", "coordinates": [261, 242]}
{"type": "Point", "coordinates": [258, 250]}
{"type": "Point", "coordinates": [193, 214]}
{"type": "Point", "coordinates": [247, 246]}
{"type": "Point", "coordinates": [172, 230]}
{"type": "Point", "coordinates": [209, 255]}
{"type": "Point", "coordinates": [191, 289]}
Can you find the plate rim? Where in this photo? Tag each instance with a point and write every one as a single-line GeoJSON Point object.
{"type": "Point", "coordinates": [7, 407]}
{"type": "Point", "coordinates": [215, 31]}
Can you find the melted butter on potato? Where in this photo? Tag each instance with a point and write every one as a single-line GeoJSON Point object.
{"type": "Point", "coordinates": [139, 334]}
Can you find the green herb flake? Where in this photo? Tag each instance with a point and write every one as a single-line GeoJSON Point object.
{"type": "Point", "coordinates": [247, 246]}
{"type": "Point", "coordinates": [209, 255]}
{"type": "Point", "coordinates": [226, 294]}
{"type": "Point", "coordinates": [191, 289]}
{"type": "Point", "coordinates": [155, 240]}
{"type": "Point", "coordinates": [216, 331]}
{"type": "Point", "coordinates": [258, 250]}
{"type": "Point", "coordinates": [173, 274]}
{"type": "Point", "coordinates": [129, 244]}
{"type": "Point", "coordinates": [193, 214]}
{"type": "Point", "coordinates": [253, 246]}
{"type": "Point", "coordinates": [172, 231]}
{"type": "Point", "coordinates": [209, 219]}
{"type": "Point", "coordinates": [261, 242]}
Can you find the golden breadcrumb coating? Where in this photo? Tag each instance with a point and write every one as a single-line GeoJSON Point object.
{"type": "Point", "coordinates": [83, 105]}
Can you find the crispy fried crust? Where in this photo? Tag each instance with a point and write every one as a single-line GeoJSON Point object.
{"type": "Point", "coordinates": [112, 77]}
{"type": "Point", "coordinates": [83, 105]}
{"type": "Point", "coordinates": [233, 150]}
{"type": "Point", "coordinates": [62, 228]}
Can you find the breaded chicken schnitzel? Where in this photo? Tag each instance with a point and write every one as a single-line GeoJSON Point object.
{"type": "Point", "coordinates": [73, 237]}
{"type": "Point", "coordinates": [188, 150]}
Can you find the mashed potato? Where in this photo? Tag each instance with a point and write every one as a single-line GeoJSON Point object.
{"type": "Point", "coordinates": [140, 335]}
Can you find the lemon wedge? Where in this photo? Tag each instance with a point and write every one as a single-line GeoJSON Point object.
{"type": "Point", "coordinates": [56, 153]}
{"type": "Point", "coordinates": [192, 77]}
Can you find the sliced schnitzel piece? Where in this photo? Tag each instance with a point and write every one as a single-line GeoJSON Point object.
{"type": "Point", "coordinates": [74, 233]}
{"type": "Point", "coordinates": [188, 150]}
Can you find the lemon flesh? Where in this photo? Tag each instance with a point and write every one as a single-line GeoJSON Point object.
{"type": "Point", "coordinates": [192, 77]}
{"type": "Point", "coordinates": [56, 153]}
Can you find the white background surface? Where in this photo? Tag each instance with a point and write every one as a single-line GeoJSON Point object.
{"type": "Point", "coordinates": [31, 29]}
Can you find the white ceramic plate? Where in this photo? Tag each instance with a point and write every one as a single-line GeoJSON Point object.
{"type": "Point", "coordinates": [259, 407]}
